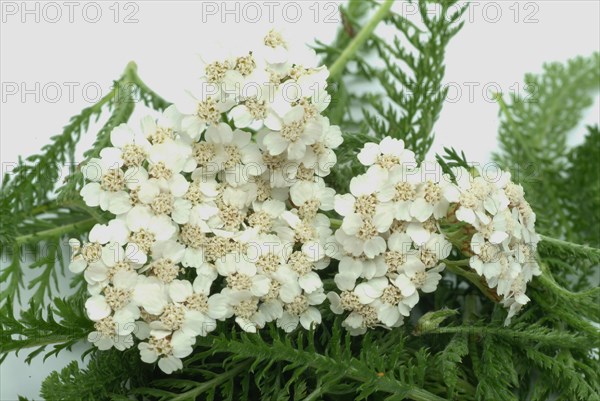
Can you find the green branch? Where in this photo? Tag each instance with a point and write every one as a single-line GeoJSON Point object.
{"type": "Point", "coordinates": [461, 268]}
{"type": "Point", "coordinates": [148, 96]}
{"type": "Point", "coordinates": [41, 340]}
{"type": "Point", "coordinates": [56, 232]}
{"type": "Point", "coordinates": [336, 70]}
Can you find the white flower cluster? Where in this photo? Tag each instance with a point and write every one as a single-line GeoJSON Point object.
{"type": "Point", "coordinates": [392, 245]}
{"type": "Point", "coordinates": [504, 243]}
{"type": "Point", "coordinates": [216, 212]}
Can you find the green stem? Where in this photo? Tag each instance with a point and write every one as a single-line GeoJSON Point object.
{"type": "Point", "coordinates": [460, 268]}
{"type": "Point", "coordinates": [55, 205]}
{"type": "Point", "coordinates": [458, 263]}
{"type": "Point", "coordinates": [132, 76]}
{"type": "Point", "coordinates": [336, 70]}
{"type": "Point", "coordinates": [470, 314]}
{"type": "Point", "coordinates": [44, 339]}
{"type": "Point", "coordinates": [43, 208]}
{"type": "Point", "coordinates": [57, 231]}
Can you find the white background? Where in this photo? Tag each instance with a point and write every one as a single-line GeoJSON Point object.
{"type": "Point", "coordinates": [56, 47]}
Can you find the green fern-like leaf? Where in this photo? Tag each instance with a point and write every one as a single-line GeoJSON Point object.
{"type": "Point", "coordinates": [60, 326]}
{"type": "Point", "coordinates": [534, 131]}
{"type": "Point", "coordinates": [108, 375]}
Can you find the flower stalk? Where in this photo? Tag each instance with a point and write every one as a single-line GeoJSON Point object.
{"type": "Point", "coordinates": [336, 70]}
{"type": "Point", "coordinates": [461, 268]}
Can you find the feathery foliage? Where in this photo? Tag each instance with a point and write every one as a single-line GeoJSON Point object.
{"type": "Point", "coordinates": [533, 139]}
{"type": "Point", "coordinates": [581, 189]}
{"type": "Point", "coordinates": [562, 185]}
{"type": "Point", "coordinates": [108, 375]}
{"type": "Point", "coordinates": [63, 325]}
{"type": "Point", "coordinates": [404, 80]}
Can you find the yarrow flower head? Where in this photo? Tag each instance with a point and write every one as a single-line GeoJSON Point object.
{"type": "Point", "coordinates": [392, 249]}
{"type": "Point", "coordinates": [216, 209]}
{"type": "Point", "coordinates": [504, 242]}
{"type": "Point", "coordinates": [392, 246]}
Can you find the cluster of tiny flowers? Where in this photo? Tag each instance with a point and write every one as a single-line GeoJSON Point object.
{"type": "Point", "coordinates": [216, 210]}
{"type": "Point", "coordinates": [392, 247]}
{"type": "Point", "coordinates": [504, 242]}
{"type": "Point", "coordinates": [391, 244]}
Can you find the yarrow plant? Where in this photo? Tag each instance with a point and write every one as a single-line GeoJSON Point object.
{"type": "Point", "coordinates": [283, 234]}
{"type": "Point", "coordinates": [213, 221]}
